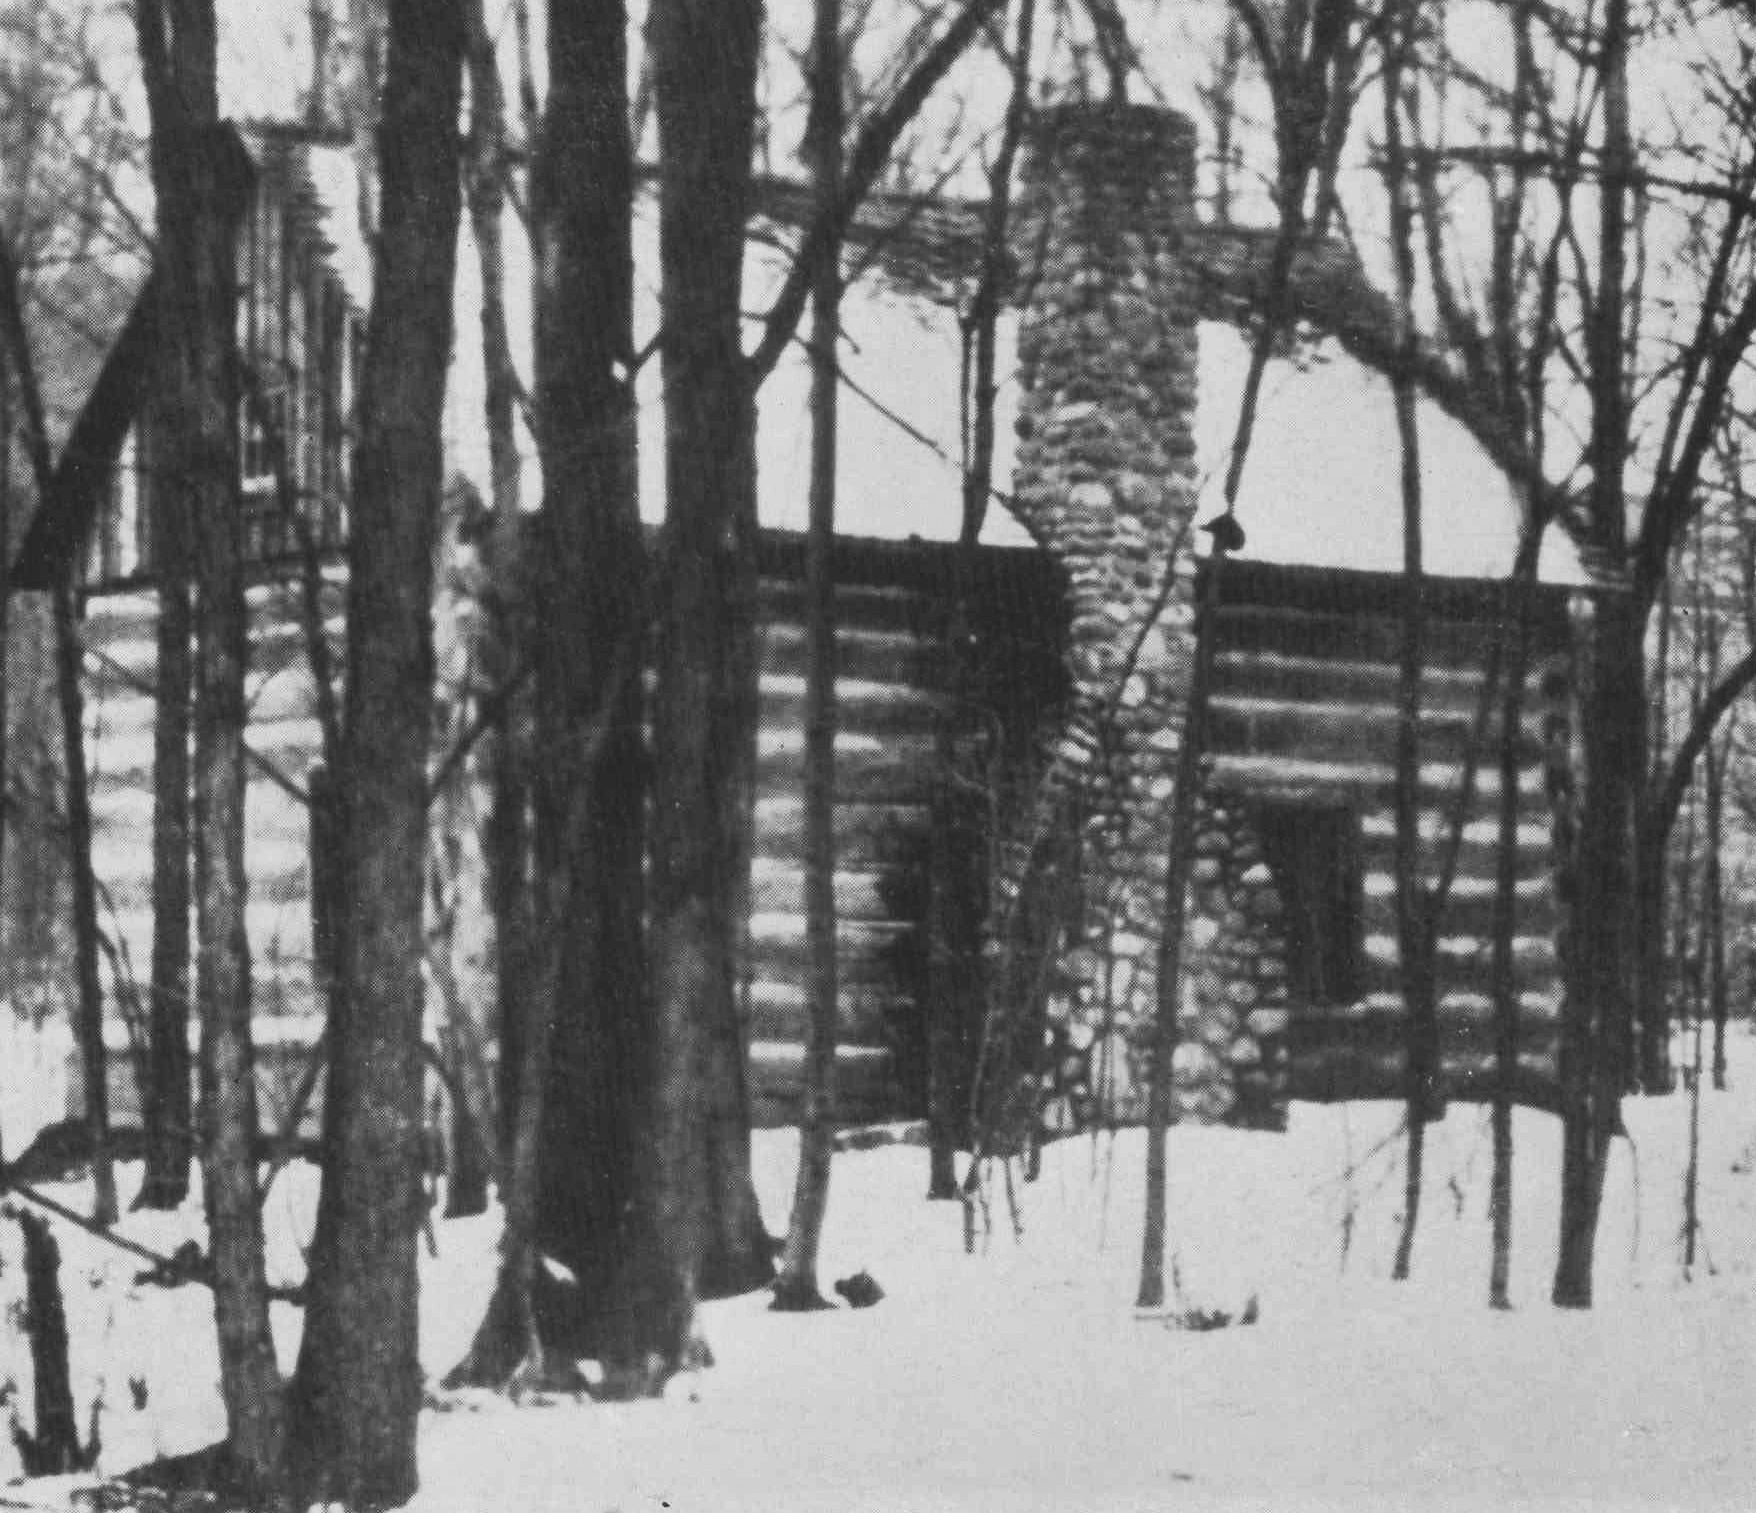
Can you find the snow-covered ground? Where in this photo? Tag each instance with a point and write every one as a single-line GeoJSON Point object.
{"type": "Point", "coordinates": [1020, 1377]}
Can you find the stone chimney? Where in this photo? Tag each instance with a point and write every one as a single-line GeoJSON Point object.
{"type": "Point", "coordinates": [1106, 483]}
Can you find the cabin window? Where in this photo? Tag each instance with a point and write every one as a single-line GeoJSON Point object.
{"type": "Point", "coordinates": [1313, 851]}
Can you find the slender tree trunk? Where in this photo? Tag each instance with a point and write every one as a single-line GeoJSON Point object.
{"type": "Point", "coordinates": [704, 719]}
{"type": "Point", "coordinates": [1504, 929]}
{"type": "Point", "coordinates": [507, 757]}
{"type": "Point", "coordinates": [54, 1450]}
{"type": "Point", "coordinates": [1598, 1019]}
{"type": "Point", "coordinates": [1718, 987]}
{"type": "Point", "coordinates": [1178, 856]}
{"type": "Point", "coordinates": [88, 1020]}
{"type": "Point", "coordinates": [357, 1391]}
{"type": "Point", "coordinates": [796, 1289]}
{"type": "Point", "coordinates": [1598, 1025]}
{"type": "Point", "coordinates": [506, 857]}
{"type": "Point", "coordinates": [90, 1014]}
{"type": "Point", "coordinates": [1416, 911]}
{"type": "Point", "coordinates": [170, 1113]}
{"type": "Point", "coordinates": [957, 983]}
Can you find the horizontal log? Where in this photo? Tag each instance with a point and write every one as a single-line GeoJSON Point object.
{"type": "Point", "coordinates": [279, 930]}
{"type": "Point", "coordinates": [778, 887]}
{"type": "Point", "coordinates": [1336, 731]}
{"type": "Point", "coordinates": [1470, 914]}
{"type": "Point", "coordinates": [122, 816]}
{"type": "Point", "coordinates": [1348, 637]}
{"type": "Point", "coordinates": [867, 836]}
{"type": "Point", "coordinates": [884, 769]}
{"type": "Point", "coordinates": [780, 1012]}
{"type": "Point", "coordinates": [1464, 964]}
{"type": "Point", "coordinates": [1270, 675]}
{"type": "Point", "coordinates": [857, 605]}
{"type": "Point", "coordinates": [881, 656]}
{"type": "Point", "coordinates": [1342, 1075]}
{"type": "Point", "coordinates": [276, 871]}
{"type": "Point", "coordinates": [864, 707]}
{"type": "Point", "coordinates": [865, 1084]}
{"type": "Point", "coordinates": [123, 758]}
{"type": "Point", "coordinates": [1356, 782]}
{"type": "Point", "coordinates": [1461, 1036]}
{"type": "Point", "coordinates": [134, 611]}
{"type": "Point", "coordinates": [1479, 848]}
{"type": "Point", "coordinates": [866, 960]}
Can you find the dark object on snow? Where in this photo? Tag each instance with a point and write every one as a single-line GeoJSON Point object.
{"type": "Point", "coordinates": [860, 1290]}
{"type": "Point", "coordinates": [185, 1264]}
{"type": "Point", "coordinates": [1201, 1320]}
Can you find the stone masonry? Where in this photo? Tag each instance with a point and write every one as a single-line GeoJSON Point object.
{"type": "Point", "coordinates": [1105, 482]}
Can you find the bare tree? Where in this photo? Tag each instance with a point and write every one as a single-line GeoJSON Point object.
{"type": "Point", "coordinates": [90, 1002]}
{"type": "Point", "coordinates": [357, 1390]}
{"type": "Point", "coordinates": [796, 1288]}
{"type": "Point", "coordinates": [704, 80]}
{"type": "Point", "coordinates": [202, 181]}
{"type": "Point", "coordinates": [1416, 917]}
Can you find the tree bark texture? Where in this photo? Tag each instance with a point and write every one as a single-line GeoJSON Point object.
{"type": "Point", "coordinates": [796, 1288]}
{"type": "Point", "coordinates": [1598, 1023]}
{"type": "Point", "coordinates": [704, 718]}
{"type": "Point", "coordinates": [589, 781]}
{"type": "Point", "coordinates": [170, 1113]}
{"type": "Point", "coordinates": [202, 182]}
{"type": "Point", "coordinates": [357, 1391]}
{"type": "Point", "coordinates": [54, 1449]}
{"type": "Point", "coordinates": [1504, 981]}
{"type": "Point", "coordinates": [1416, 910]}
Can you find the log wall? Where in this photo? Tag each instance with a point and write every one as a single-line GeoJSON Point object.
{"type": "Point", "coordinates": [890, 612]}
{"type": "Point", "coordinates": [1303, 717]}
{"type": "Point", "coordinates": [1304, 713]}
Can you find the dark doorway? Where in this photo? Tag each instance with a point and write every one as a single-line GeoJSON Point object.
{"type": "Point", "coordinates": [1314, 853]}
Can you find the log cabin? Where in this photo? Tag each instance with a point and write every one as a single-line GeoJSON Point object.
{"type": "Point", "coordinates": [1064, 716]}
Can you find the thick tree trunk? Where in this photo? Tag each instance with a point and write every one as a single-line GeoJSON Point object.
{"type": "Point", "coordinates": [589, 579]}
{"type": "Point", "coordinates": [586, 1059]}
{"type": "Point", "coordinates": [170, 1121]}
{"type": "Point", "coordinates": [202, 178]}
{"type": "Point", "coordinates": [357, 1391]}
{"type": "Point", "coordinates": [704, 721]}
{"type": "Point", "coordinates": [796, 1289]}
